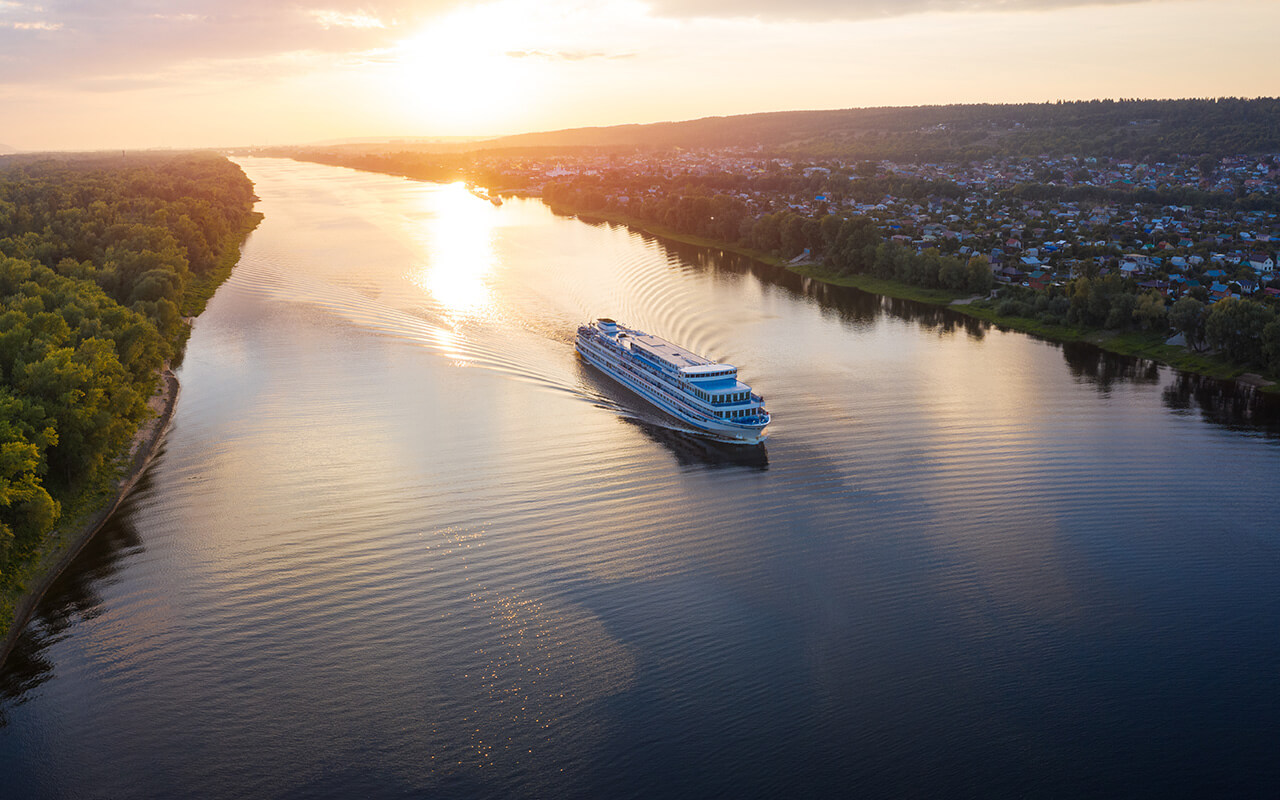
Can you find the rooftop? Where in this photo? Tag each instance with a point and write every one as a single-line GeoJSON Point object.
{"type": "Point", "coordinates": [673, 354]}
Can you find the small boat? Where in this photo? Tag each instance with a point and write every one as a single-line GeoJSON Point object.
{"type": "Point", "coordinates": [483, 195]}
{"type": "Point", "coordinates": [703, 393]}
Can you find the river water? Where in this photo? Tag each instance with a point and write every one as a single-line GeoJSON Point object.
{"type": "Point", "coordinates": [400, 542]}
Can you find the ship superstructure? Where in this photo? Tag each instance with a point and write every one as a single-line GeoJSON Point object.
{"type": "Point", "coordinates": [696, 390]}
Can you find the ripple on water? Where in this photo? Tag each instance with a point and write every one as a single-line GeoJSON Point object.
{"type": "Point", "coordinates": [402, 542]}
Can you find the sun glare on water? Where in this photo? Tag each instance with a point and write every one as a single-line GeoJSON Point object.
{"type": "Point", "coordinates": [460, 256]}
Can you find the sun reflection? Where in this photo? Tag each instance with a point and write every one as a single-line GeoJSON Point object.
{"type": "Point", "coordinates": [459, 248]}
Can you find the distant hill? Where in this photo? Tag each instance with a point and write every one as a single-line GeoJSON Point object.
{"type": "Point", "coordinates": [6, 149]}
{"type": "Point", "coordinates": [1118, 128]}
{"type": "Point", "coordinates": [428, 141]}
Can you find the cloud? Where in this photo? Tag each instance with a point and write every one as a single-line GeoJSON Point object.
{"type": "Point", "coordinates": [829, 10]}
{"type": "Point", "coordinates": [28, 17]}
{"type": "Point", "coordinates": [565, 55]}
{"type": "Point", "coordinates": [130, 37]}
{"type": "Point", "coordinates": [181, 17]}
{"type": "Point", "coordinates": [338, 19]}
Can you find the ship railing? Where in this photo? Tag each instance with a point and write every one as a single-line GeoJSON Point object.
{"type": "Point", "coordinates": [757, 397]}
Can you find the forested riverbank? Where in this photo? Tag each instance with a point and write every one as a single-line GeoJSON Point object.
{"type": "Point", "coordinates": [102, 262]}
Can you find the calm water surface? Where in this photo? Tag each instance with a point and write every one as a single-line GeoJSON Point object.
{"type": "Point", "coordinates": [401, 543]}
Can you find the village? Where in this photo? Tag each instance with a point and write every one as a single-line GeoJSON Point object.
{"type": "Point", "coordinates": [1040, 221]}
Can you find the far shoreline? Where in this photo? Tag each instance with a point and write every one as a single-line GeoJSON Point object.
{"type": "Point", "coordinates": [1126, 343]}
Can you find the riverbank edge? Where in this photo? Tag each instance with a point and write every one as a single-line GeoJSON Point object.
{"type": "Point", "coordinates": [1140, 344]}
{"type": "Point", "coordinates": [69, 540]}
{"type": "Point", "coordinates": [65, 542]}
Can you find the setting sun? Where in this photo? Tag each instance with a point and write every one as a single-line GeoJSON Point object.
{"type": "Point", "coordinates": [463, 71]}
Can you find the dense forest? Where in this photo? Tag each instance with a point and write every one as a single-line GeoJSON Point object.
{"type": "Point", "coordinates": [100, 260]}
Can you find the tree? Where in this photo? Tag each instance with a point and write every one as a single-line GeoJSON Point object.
{"type": "Point", "coordinates": [980, 278]}
{"type": "Point", "coordinates": [1150, 311]}
{"type": "Point", "coordinates": [1235, 327]}
{"type": "Point", "coordinates": [1123, 308]}
{"type": "Point", "coordinates": [1187, 317]}
{"type": "Point", "coordinates": [1271, 346]}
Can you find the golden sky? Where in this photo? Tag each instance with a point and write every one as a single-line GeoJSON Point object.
{"type": "Point", "coordinates": [85, 74]}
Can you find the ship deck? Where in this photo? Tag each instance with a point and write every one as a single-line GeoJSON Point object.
{"type": "Point", "coordinates": [673, 354]}
{"type": "Point", "coordinates": [680, 358]}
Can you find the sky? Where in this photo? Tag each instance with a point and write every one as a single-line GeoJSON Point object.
{"type": "Point", "coordinates": [92, 74]}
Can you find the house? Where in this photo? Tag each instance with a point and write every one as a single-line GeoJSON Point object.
{"type": "Point", "coordinates": [1261, 262]}
{"type": "Point", "coordinates": [1137, 265]}
{"type": "Point", "coordinates": [1010, 275]}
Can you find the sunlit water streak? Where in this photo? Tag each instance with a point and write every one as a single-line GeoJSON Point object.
{"type": "Point", "coordinates": [401, 542]}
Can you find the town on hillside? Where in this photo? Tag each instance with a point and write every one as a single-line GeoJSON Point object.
{"type": "Point", "coordinates": [1033, 238]}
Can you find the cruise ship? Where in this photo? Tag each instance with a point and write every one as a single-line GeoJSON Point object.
{"type": "Point", "coordinates": [693, 389]}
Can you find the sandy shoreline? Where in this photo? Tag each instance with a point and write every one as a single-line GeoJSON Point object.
{"type": "Point", "coordinates": [146, 442]}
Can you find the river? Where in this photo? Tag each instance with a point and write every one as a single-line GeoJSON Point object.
{"type": "Point", "coordinates": [400, 542]}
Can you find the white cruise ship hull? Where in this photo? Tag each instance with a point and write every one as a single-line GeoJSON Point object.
{"type": "Point", "coordinates": [606, 354]}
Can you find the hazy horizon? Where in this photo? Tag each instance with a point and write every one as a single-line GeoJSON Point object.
{"type": "Point", "coordinates": [90, 76]}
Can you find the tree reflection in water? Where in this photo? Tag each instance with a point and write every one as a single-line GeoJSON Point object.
{"type": "Point", "coordinates": [1104, 370]}
{"type": "Point", "coordinates": [73, 597]}
{"type": "Point", "coordinates": [1232, 404]}
{"type": "Point", "coordinates": [854, 306]}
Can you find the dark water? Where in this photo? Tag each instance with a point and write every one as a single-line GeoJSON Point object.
{"type": "Point", "coordinates": [400, 543]}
